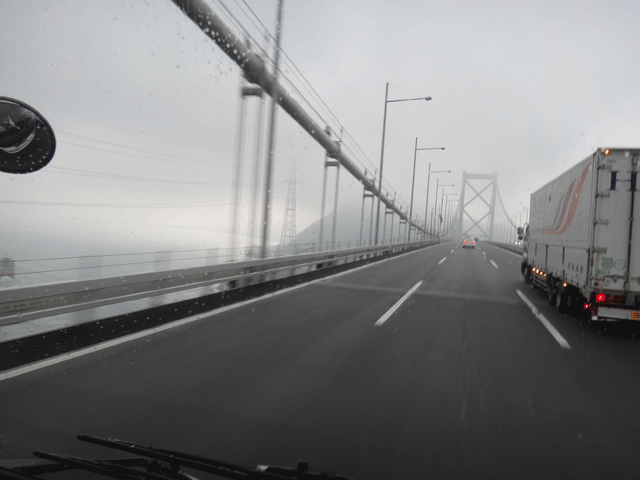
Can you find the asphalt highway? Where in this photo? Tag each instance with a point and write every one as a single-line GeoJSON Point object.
{"type": "Point", "coordinates": [427, 365]}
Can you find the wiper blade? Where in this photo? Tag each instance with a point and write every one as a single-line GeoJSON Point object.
{"type": "Point", "coordinates": [10, 473]}
{"type": "Point", "coordinates": [159, 464]}
{"type": "Point", "coordinates": [227, 470]}
{"type": "Point", "coordinates": [109, 469]}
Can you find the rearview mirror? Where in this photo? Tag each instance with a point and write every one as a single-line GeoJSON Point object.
{"type": "Point", "coordinates": [27, 142]}
{"type": "Point", "coordinates": [520, 230]}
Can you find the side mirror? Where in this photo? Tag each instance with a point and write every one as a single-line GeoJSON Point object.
{"type": "Point", "coordinates": [519, 230]}
{"type": "Point", "coordinates": [27, 142]}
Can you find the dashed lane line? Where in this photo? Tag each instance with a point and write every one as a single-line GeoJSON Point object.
{"type": "Point", "coordinates": [552, 330]}
{"type": "Point", "coordinates": [390, 312]}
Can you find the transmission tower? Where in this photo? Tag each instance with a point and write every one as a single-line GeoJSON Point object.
{"type": "Point", "coordinates": [289, 224]}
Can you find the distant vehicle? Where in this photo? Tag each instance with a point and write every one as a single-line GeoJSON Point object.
{"type": "Point", "coordinates": [468, 242]}
{"type": "Point", "coordinates": [476, 239]}
{"type": "Point", "coordinates": [582, 246]}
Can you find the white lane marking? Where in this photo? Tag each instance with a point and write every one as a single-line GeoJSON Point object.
{"type": "Point", "coordinates": [484, 254]}
{"type": "Point", "coordinates": [390, 312]}
{"type": "Point", "coordinates": [451, 251]}
{"type": "Point", "coordinates": [442, 260]}
{"type": "Point", "coordinates": [134, 336]}
{"type": "Point", "coordinates": [493, 263]}
{"type": "Point", "coordinates": [552, 330]}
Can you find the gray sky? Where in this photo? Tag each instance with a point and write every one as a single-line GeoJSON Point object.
{"type": "Point", "coordinates": [525, 89]}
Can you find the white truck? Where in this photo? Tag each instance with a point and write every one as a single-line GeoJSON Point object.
{"type": "Point", "coordinates": [582, 243]}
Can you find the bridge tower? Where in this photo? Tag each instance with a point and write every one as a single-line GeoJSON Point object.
{"type": "Point", "coordinates": [483, 183]}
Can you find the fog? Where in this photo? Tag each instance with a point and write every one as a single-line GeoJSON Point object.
{"type": "Point", "coordinates": [145, 106]}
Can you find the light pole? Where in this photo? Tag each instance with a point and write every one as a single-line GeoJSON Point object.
{"type": "Point", "coordinates": [435, 214]}
{"type": "Point", "coordinates": [415, 151]}
{"type": "Point", "coordinates": [384, 129]}
{"type": "Point", "coordinates": [446, 210]}
{"type": "Point", "coordinates": [453, 212]}
{"type": "Point", "coordinates": [426, 208]}
{"type": "Point", "coordinates": [441, 223]}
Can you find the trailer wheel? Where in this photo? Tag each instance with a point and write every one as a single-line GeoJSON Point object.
{"type": "Point", "coordinates": [561, 300]}
{"type": "Point", "coordinates": [552, 292]}
{"type": "Point", "coordinates": [526, 274]}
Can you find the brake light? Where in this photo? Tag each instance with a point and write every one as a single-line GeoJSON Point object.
{"type": "Point", "coordinates": [601, 297]}
{"type": "Point", "coordinates": [464, 241]}
{"type": "Point", "coordinates": [586, 306]}
{"type": "Point", "coordinates": [473, 243]}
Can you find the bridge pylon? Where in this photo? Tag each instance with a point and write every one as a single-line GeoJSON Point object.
{"type": "Point", "coordinates": [486, 181]}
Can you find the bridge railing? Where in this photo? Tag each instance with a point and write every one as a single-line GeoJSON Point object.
{"type": "Point", "coordinates": [32, 302]}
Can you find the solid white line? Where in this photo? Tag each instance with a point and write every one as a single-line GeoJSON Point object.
{"type": "Point", "coordinates": [134, 336]}
{"type": "Point", "coordinates": [442, 260]}
{"type": "Point", "coordinates": [559, 338]}
{"type": "Point", "coordinates": [493, 263]}
{"type": "Point", "coordinates": [386, 316]}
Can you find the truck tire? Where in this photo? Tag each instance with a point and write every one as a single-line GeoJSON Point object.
{"type": "Point", "coordinates": [552, 291]}
{"type": "Point", "coordinates": [526, 274]}
{"type": "Point", "coordinates": [561, 300]}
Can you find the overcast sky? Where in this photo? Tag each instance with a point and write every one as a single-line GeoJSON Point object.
{"type": "Point", "coordinates": [144, 107]}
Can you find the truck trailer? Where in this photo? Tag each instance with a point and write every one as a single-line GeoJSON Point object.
{"type": "Point", "coordinates": [582, 244]}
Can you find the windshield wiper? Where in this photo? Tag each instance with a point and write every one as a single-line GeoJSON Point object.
{"type": "Point", "coordinates": [156, 463]}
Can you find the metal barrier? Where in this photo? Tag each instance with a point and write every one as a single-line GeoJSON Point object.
{"type": "Point", "coordinates": [27, 303]}
{"type": "Point", "coordinates": [506, 246]}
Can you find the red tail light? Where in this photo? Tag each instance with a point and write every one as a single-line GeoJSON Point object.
{"type": "Point", "coordinates": [464, 241]}
{"type": "Point", "coordinates": [601, 297]}
{"type": "Point", "coordinates": [586, 306]}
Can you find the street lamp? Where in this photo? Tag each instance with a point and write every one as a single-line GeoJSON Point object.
{"type": "Point", "coordinates": [446, 209]}
{"type": "Point", "coordinates": [437, 187]}
{"type": "Point", "coordinates": [384, 128]}
{"type": "Point", "coordinates": [426, 208]}
{"type": "Point", "coordinates": [415, 151]}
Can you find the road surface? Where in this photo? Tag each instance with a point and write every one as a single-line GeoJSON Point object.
{"type": "Point", "coordinates": [427, 365]}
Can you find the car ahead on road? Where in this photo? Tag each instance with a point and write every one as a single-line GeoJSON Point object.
{"type": "Point", "coordinates": [468, 242]}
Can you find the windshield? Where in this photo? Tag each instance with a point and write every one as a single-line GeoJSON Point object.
{"type": "Point", "coordinates": [200, 268]}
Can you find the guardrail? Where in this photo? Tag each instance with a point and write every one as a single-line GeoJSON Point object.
{"type": "Point", "coordinates": [506, 246]}
{"type": "Point", "coordinates": [27, 303]}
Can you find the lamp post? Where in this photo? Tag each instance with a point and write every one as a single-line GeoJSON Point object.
{"type": "Point", "coordinates": [426, 208]}
{"type": "Point", "coordinates": [384, 129]}
{"type": "Point", "coordinates": [437, 187]}
{"type": "Point", "coordinates": [446, 210]}
{"type": "Point", "coordinates": [413, 180]}
{"type": "Point", "coordinates": [441, 223]}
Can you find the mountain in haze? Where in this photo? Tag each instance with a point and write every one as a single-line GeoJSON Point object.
{"type": "Point", "coordinates": [347, 228]}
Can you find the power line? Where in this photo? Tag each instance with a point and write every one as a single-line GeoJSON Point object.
{"type": "Point", "coordinates": [136, 156]}
{"type": "Point", "coordinates": [88, 173]}
{"type": "Point", "coordinates": [115, 205]}
{"type": "Point", "coordinates": [133, 148]}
